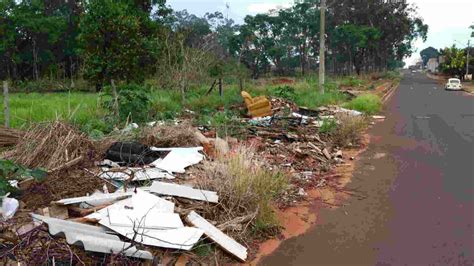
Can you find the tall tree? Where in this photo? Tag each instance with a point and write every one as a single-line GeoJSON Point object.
{"type": "Point", "coordinates": [115, 41]}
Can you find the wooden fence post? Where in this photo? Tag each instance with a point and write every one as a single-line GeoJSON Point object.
{"type": "Point", "coordinates": [220, 87]}
{"type": "Point", "coordinates": [6, 103]}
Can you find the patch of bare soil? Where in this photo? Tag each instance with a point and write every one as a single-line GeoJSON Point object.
{"type": "Point", "coordinates": [298, 219]}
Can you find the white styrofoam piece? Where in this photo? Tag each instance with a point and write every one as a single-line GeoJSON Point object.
{"type": "Point", "coordinates": [93, 238]}
{"type": "Point", "coordinates": [178, 158]}
{"type": "Point", "coordinates": [163, 188]}
{"type": "Point", "coordinates": [140, 174]}
{"type": "Point", "coordinates": [223, 240]}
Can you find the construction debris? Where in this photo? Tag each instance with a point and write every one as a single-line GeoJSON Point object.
{"type": "Point", "coordinates": [282, 152]}
{"type": "Point", "coordinates": [96, 198]}
{"type": "Point", "coordinates": [149, 220]}
{"type": "Point", "coordinates": [227, 243]}
{"type": "Point", "coordinates": [183, 191]}
{"type": "Point", "coordinates": [92, 238]}
{"type": "Point", "coordinates": [178, 158]}
{"type": "Point", "coordinates": [9, 207]}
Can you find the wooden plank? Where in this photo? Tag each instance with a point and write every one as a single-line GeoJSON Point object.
{"type": "Point", "coordinates": [223, 240]}
{"type": "Point", "coordinates": [169, 189]}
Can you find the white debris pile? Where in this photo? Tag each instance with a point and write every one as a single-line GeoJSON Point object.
{"type": "Point", "coordinates": [145, 214]}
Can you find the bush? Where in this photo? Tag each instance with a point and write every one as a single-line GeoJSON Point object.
{"type": "Point", "coordinates": [349, 130]}
{"type": "Point", "coordinates": [367, 103]}
{"type": "Point", "coordinates": [352, 81]}
{"type": "Point", "coordinates": [245, 187]}
{"type": "Point", "coordinates": [134, 102]}
{"type": "Point", "coordinates": [328, 126]}
{"type": "Point", "coordinates": [286, 92]}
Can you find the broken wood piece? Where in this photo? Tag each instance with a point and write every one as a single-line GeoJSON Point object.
{"type": "Point", "coordinates": [326, 154]}
{"type": "Point", "coordinates": [55, 211]}
{"type": "Point", "coordinates": [83, 212]}
{"type": "Point", "coordinates": [224, 241]}
{"type": "Point", "coordinates": [169, 189]}
{"type": "Point", "coordinates": [67, 165]}
{"type": "Point", "coordinates": [316, 148]}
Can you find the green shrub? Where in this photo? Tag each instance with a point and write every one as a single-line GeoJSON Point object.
{"type": "Point", "coordinates": [286, 92]}
{"type": "Point", "coordinates": [329, 126]}
{"type": "Point", "coordinates": [134, 102]}
{"type": "Point", "coordinates": [367, 103]}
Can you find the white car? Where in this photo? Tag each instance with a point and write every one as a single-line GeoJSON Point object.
{"type": "Point", "coordinates": [453, 84]}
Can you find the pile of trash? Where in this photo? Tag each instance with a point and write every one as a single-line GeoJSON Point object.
{"type": "Point", "coordinates": [134, 208]}
{"type": "Point", "coordinates": [134, 196]}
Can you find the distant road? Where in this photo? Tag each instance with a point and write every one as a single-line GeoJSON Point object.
{"type": "Point", "coordinates": [417, 177]}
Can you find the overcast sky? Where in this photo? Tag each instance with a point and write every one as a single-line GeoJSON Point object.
{"type": "Point", "coordinates": [448, 20]}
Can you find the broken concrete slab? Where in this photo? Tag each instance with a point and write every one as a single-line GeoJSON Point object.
{"type": "Point", "coordinates": [92, 238]}
{"type": "Point", "coordinates": [169, 189]}
{"type": "Point", "coordinates": [178, 158]}
{"type": "Point", "coordinates": [224, 241]}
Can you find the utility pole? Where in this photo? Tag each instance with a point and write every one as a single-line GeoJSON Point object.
{"type": "Point", "coordinates": [467, 59]}
{"type": "Point", "coordinates": [322, 39]}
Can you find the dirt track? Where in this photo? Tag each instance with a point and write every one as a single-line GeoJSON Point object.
{"type": "Point", "coordinates": [414, 184]}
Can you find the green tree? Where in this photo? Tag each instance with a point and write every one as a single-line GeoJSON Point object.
{"type": "Point", "coordinates": [116, 42]}
{"type": "Point", "coordinates": [428, 53]}
{"type": "Point", "coordinates": [455, 62]}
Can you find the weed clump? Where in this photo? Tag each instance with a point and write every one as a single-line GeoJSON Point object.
{"type": "Point", "coordinates": [246, 190]}
{"type": "Point", "coordinates": [349, 130]}
{"type": "Point", "coordinates": [367, 103]}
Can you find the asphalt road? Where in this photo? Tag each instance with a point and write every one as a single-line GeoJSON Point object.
{"type": "Point", "coordinates": [415, 187]}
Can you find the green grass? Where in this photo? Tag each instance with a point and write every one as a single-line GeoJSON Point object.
{"type": "Point", "coordinates": [77, 108]}
{"type": "Point", "coordinates": [84, 109]}
{"type": "Point", "coordinates": [367, 103]}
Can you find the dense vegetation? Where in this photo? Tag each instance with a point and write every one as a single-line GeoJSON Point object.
{"type": "Point", "coordinates": [138, 40]}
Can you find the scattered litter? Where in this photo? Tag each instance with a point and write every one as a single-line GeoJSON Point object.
{"type": "Point", "coordinates": [183, 191]}
{"type": "Point", "coordinates": [131, 153]}
{"type": "Point", "coordinates": [92, 238]}
{"type": "Point", "coordinates": [178, 158]}
{"type": "Point", "coordinates": [9, 207]}
{"type": "Point", "coordinates": [348, 111]}
{"type": "Point", "coordinates": [381, 117]}
{"type": "Point", "coordinates": [301, 192]}
{"type": "Point", "coordinates": [130, 127]}
{"type": "Point", "coordinates": [138, 174]}
{"type": "Point", "coordinates": [227, 243]}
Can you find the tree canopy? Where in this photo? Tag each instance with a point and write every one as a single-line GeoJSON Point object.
{"type": "Point", "coordinates": [132, 40]}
